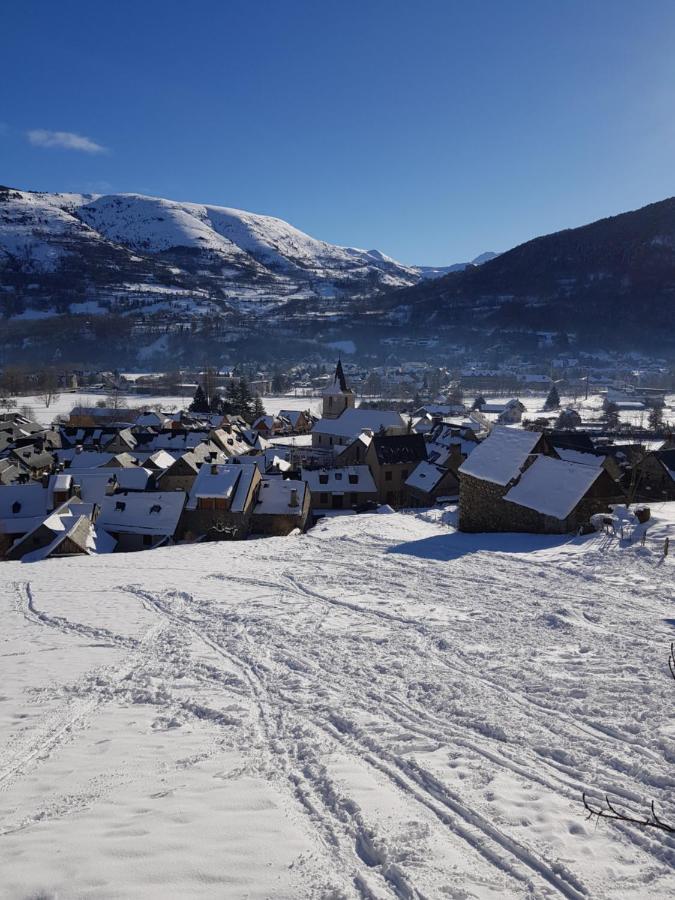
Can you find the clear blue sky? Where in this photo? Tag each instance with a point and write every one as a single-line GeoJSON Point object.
{"type": "Point", "coordinates": [429, 130]}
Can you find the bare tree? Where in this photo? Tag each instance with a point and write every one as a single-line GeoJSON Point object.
{"type": "Point", "coordinates": [608, 810]}
{"type": "Point", "coordinates": [48, 387]}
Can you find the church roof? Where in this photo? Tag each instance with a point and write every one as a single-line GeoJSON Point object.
{"type": "Point", "coordinates": [339, 383]}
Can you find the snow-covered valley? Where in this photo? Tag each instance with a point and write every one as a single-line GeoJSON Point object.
{"type": "Point", "coordinates": [382, 707]}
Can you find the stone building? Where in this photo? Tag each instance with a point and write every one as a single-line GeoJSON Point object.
{"type": "Point", "coordinates": [515, 481]}
{"type": "Point", "coordinates": [392, 458]}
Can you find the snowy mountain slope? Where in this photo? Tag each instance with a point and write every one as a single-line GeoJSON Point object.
{"type": "Point", "coordinates": [47, 233]}
{"type": "Point", "coordinates": [380, 708]}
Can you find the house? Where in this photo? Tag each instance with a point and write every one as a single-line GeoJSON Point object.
{"type": "Point", "coordinates": [355, 452]}
{"type": "Point", "coordinates": [34, 458]}
{"type": "Point", "coordinates": [490, 470]}
{"type": "Point", "coordinates": [428, 483]}
{"type": "Point", "coordinates": [229, 440]}
{"type": "Point", "coordinates": [392, 458]}
{"type": "Point", "coordinates": [654, 476]}
{"type": "Point", "coordinates": [299, 420]}
{"type": "Point", "coordinates": [142, 520]}
{"type": "Point", "coordinates": [269, 425]}
{"type": "Point", "coordinates": [509, 413]}
{"type": "Point", "coordinates": [282, 505]}
{"type": "Point", "coordinates": [345, 488]}
{"type": "Point", "coordinates": [23, 507]}
{"type": "Point", "coordinates": [515, 481]}
{"type": "Point", "coordinates": [67, 531]}
{"type": "Point", "coordinates": [221, 502]}
{"type": "Point", "coordinates": [336, 433]}
{"type": "Point", "coordinates": [554, 496]}
{"type": "Point", "coordinates": [181, 475]}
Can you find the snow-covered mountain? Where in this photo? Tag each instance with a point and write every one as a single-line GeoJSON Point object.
{"type": "Point", "coordinates": [438, 271]}
{"type": "Point", "coordinates": [58, 249]}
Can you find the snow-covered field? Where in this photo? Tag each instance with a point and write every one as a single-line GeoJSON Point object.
{"type": "Point", "coordinates": [63, 403]}
{"type": "Point", "coordinates": [380, 708]}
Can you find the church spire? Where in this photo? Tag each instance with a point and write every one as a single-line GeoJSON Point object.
{"type": "Point", "coordinates": [340, 379]}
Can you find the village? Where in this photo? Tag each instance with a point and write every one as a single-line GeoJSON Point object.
{"type": "Point", "coordinates": [111, 478]}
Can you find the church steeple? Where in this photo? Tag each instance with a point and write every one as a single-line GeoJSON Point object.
{"type": "Point", "coordinates": [337, 397]}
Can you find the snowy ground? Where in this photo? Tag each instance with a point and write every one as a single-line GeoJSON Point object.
{"type": "Point", "coordinates": [63, 404]}
{"type": "Point", "coordinates": [380, 708]}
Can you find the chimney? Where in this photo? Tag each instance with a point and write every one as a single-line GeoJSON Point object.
{"type": "Point", "coordinates": [45, 480]}
{"type": "Point", "coordinates": [294, 498]}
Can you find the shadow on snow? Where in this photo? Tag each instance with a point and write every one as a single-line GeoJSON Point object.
{"type": "Point", "coordinates": [457, 544]}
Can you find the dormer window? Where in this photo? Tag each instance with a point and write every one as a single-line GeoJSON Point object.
{"type": "Point", "coordinates": [120, 506]}
{"type": "Point", "coordinates": [323, 478]}
{"type": "Point", "coordinates": [338, 476]}
{"type": "Point", "coordinates": [16, 507]}
{"type": "Point", "coordinates": [353, 478]}
{"type": "Point", "coordinates": [156, 508]}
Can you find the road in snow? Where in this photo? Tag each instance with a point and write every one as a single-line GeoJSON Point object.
{"type": "Point", "coordinates": [380, 708]}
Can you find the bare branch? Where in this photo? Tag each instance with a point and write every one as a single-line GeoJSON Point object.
{"type": "Point", "coordinates": [608, 811]}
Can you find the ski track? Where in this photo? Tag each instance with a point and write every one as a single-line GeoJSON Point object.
{"type": "Point", "coordinates": [400, 688]}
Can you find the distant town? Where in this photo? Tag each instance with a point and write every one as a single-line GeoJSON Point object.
{"type": "Point", "coordinates": [516, 449]}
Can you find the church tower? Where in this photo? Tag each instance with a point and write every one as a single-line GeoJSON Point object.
{"type": "Point", "coordinates": [337, 397]}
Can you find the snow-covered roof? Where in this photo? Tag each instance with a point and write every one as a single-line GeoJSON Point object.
{"type": "Point", "coordinates": [22, 506]}
{"type": "Point", "coordinates": [353, 421]}
{"type": "Point", "coordinates": [93, 484]}
{"type": "Point", "coordinates": [351, 479]}
{"type": "Point", "coordinates": [214, 481]}
{"type": "Point", "coordinates": [552, 486]}
{"type": "Point", "coordinates": [425, 476]}
{"type": "Point", "coordinates": [500, 457]}
{"type": "Point", "coordinates": [275, 496]}
{"type": "Point", "coordinates": [161, 459]}
{"type": "Point", "coordinates": [85, 459]}
{"type": "Point", "coordinates": [61, 482]}
{"type": "Point", "coordinates": [142, 512]}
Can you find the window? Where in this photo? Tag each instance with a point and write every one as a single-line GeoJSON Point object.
{"type": "Point", "coordinates": [338, 476]}
{"type": "Point", "coordinates": [323, 478]}
{"type": "Point", "coordinates": [387, 476]}
{"type": "Point", "coordinates": [147, 540]}
{"type": "Point", "coordinates": [353, 479]}
{"type": "Point", "coordinates": [323, 498]}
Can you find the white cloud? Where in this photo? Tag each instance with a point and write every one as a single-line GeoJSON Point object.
{"type": "Point", "coordinates": [66, 140]}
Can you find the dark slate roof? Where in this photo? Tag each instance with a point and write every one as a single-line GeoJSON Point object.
{"type": "Point", "coordinates": [572, 440]}
{"type": "Point", "coordinates": [666, 458]}
{"type": "Point", "coordinates": [399, 448]}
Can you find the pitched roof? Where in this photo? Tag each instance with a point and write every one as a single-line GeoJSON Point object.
{"type": "Point", "coordinates": [142, 512]}
{"type": "Point", "coordinates": [352, 479]}
{"type": "Point", "coordinates": [552, 486]}
{"type": "Point", "coordinates": [274, 497]}
{"type": "Point", "coordinates": [214, 481]}
{"type": "Point", "coordinates": [501, 456]}
{"type": "Point", "coordinates": [425, 476]}
{"type": "Point", "coordinates": [339, 383]}
{"type": "Point", "coordinates": [353, 421]}
{"type": "Point", "coordinates": [399, 448]}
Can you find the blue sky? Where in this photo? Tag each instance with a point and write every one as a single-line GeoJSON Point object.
{"type": "Point", "coordinates": [429, 130]}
